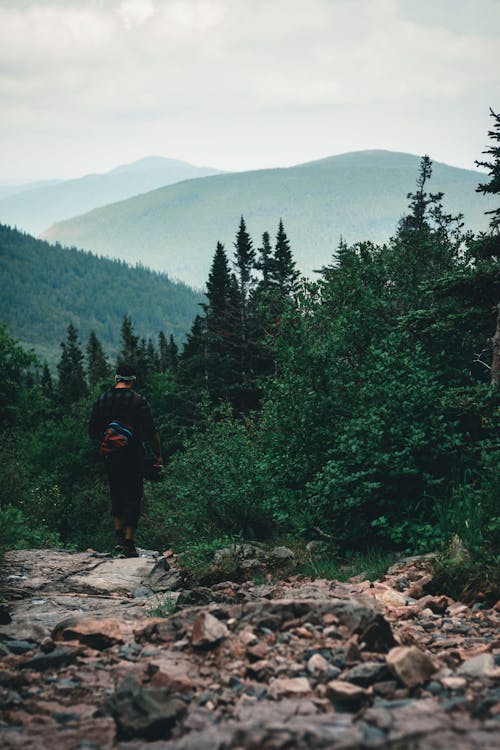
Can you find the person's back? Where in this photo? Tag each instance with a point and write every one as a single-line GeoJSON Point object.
{"type": "Point", "coordinates": [124, 466]}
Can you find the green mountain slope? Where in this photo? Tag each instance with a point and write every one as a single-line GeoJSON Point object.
{"type": "Point", "coordinates": [35, 208]}
{"type": "Point", "coordinates": [356, 196]}
{"type": "Point", "coordinates": [45, 287]}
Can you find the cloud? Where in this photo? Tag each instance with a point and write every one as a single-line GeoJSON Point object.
{"type": "Point", "coordinates": [66, 65]}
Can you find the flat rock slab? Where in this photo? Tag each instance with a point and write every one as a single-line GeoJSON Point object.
{"type": "Point", "coordinates": [112, 576]}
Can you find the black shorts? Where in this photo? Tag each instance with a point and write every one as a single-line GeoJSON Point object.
{"type": "Point", "coordinates": [125, 474]}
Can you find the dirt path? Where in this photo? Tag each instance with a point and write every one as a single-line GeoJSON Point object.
{"type": "Point", "coordinates": [293, 664]}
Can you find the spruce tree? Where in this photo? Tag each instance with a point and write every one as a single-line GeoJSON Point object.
{"type": "Point", "coordinates": [46, 383]}
{"type": "Point", "coordinates": [488, 246]}
{"type": "Point", "coordinates": [129, 352]}
{"type": "Point", "coordinates": [71, 384]}
{"type": "Point", "coordinates": [163, 352]}
{"type": "Point", "coordinates": [493, 167]}
{"type": "Point", "coordinates": [98, 368]}
{"type": "Point", "coordinates": [173, 353]}
{"type": "Point", "coordinates": [284, 275]}
{"type": "Point", "coordinates": [264, 262]}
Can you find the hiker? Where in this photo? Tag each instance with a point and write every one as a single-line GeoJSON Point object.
{"type": "Point", "coordinates": [121, 419]}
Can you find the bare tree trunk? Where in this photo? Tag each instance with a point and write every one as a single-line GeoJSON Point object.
{"type": "Point", "coordinates": [495, 362]}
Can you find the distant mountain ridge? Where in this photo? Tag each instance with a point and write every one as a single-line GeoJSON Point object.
{"type": "Point", "coordinates": [36, 207]}
{"type": "Point", "coordinates": [355, 196]}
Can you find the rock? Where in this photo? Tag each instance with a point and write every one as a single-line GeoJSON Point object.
{"type": "Point", "coordinates": [410, 665]}
{"type": "Point", "coordinates": [161, 578]}
{"type": "Point", "coordinates": [318, 665]}
{"type": "Point", "coordinates": [289, 686]}
{"type": "Point", "coordinates": [367, 673]}
{"type": "Point", "coordinates": [346, 692]}
{"type": "Point", "coordinates": [58, 658]}
{"type": "Point", "coordinates": [19, 647]}
{"type": "Point", "coordinates": [117, 576]}
{"type": "Point", "coordinates": [257, 651]}
{"type": "Point", "coordinates": [96, 633]}
{"type": "Point", "coordinates": [147, 713]}
{"type": "Point", "coordinates": [208, 631]}
{"type": "Point", "coordinates": [377, 635]}
{"type": "Point", "coordinates": [283, 554]}
{"type": "Point", "coordinates": [478, 666]}
{"type": "Point", "coordinates": [453, 683]}
{"type": "Point", "coordinates": [388, 596]}
{"type": "Point", "coordinates": [141, 592]}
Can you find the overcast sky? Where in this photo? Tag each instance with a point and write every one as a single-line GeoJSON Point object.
{"type": "Point", "coordinates": [86, 85]}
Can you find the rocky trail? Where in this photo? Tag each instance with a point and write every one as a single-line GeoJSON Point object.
{"type": "Point", "coordinates": [85, 662]}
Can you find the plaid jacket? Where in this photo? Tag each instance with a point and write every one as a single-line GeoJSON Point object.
{"type": "Point", "coordinates": [125, 406]}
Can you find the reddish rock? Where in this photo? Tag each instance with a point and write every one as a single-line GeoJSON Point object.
{"type": "Point", "coordinates": [289, 686]}
{"type": "Point", "coordinates": [410, 665]}
{"type": "Point", "coordinates": [346, 692]}
{"type": "Point", "coordinates": [208, 631]}
{"type": "Point", "coordinates": [257, 652]}
{"type": "Point", "coordinates": [318, 665]}
{"type": "Point", "coordinates": [96, 633]}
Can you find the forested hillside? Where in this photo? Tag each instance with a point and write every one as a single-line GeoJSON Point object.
{"type": "Point", "coordinates": [38, 206]}
{"type": "Point", "coordinates": [45, 287]}
{"type": "Point", "coordinates": [357, 196]}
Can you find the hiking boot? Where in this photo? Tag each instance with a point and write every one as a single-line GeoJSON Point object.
{"type": "Point", "coordinates": [129, 549]}
{"type": "Point", "coordinates": [119, 547]}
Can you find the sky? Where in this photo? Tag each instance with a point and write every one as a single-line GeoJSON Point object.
{"type": "Point", "coordinates": [86, 85]}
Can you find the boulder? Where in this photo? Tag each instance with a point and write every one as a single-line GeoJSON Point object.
{"type": "Point", "coordinates": [94, 632]}
{"type": "Point", "coordinates": [147, 713]}
{"type": "Point", "coordinates": [208, 631]}
{"type": "Point", "coordinates": [346, 692]}
{"type": "Point", "coordinates": [410, 665]}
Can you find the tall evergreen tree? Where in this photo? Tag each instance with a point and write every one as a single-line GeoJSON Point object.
{"type": "Point", "coordinates": [98, 368]}
{"type": "Point", "coordinates": [493, 167]}
{"type": "Point", "coordinates": [244, 261]}
{"type": "Point", "coordinates": [172, 353]}
{"type": "Point", "coordinates": [264, 262]}
{"type": "Point", "coordinates": [71, 384]}
{"type": "Point", "coordinates": [46, 383]}
{"type": "Point", "coordinates": [168, 353]}
{"type": "Point", "coordinates": [489, 245]}
{"type": "Point", "coordinates": [129, 352]}
{"type": "Point", "coordinates": [284, 275]}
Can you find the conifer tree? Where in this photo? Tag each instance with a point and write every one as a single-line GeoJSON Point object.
{"type": "Point", "coordinates": [264, 262]}
{"type": "Point", "coordinates": [284, 275]}
{"type": "Point", "coordinates": [71, 384]}
{"type": "Point", "coordinates": [489, 245]}
{"type": "Point", "coordinates": [493, 167]}
{"type": "Point", "coordinates": [244, 261]}
{"type": "Point", "coordinates": [168, 353]}
{"type": "Point", "coordinates": [97, 365]}
{"type": "Point", "coordinates": [129, 352]}
{"type": "Point", "coordinates": [173, 353]}
{"type": "Point", "coordinates": [46, 383]}
{"type": "Point", "coordinates": [163, 352]}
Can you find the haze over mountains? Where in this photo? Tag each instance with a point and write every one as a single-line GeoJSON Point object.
{"type": "Point", "coordinates": [36, 206]}
{"type": "Point", "coordinates": [354, 196]}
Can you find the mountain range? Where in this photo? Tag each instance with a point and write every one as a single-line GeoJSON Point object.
{"type": "Point", "coordinates": [34, 207]}
{"type": "Point", "coordinates": [354, 196]}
